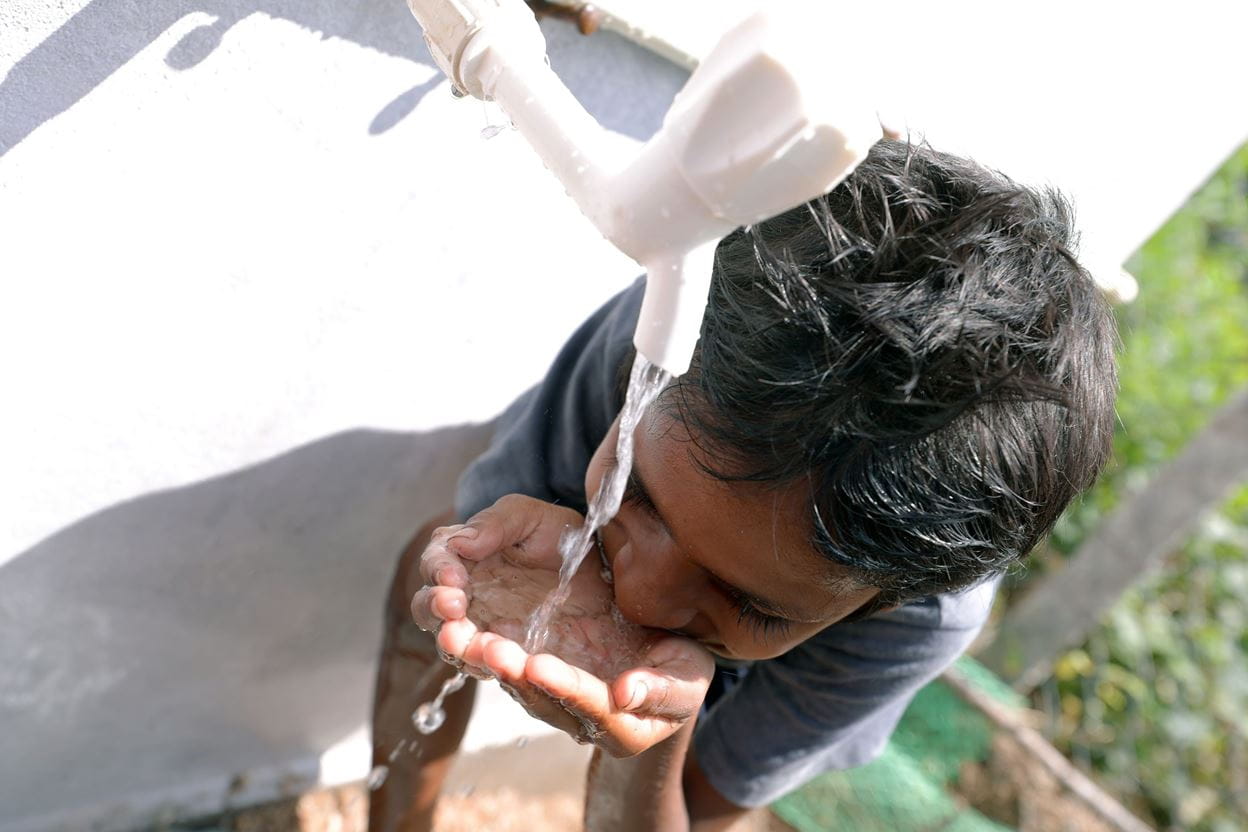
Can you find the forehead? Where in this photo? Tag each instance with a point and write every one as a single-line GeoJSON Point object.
{"type": "Point", "coordinates": [755, 536]}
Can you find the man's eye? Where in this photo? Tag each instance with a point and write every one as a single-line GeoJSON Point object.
{"type": "Point", "coordinates": [635, 496]}
{"type": "Point", "coordinates": [763, 625]}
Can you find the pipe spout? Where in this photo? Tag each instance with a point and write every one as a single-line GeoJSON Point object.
{"type": "Point", "coordinates": [752, 134]}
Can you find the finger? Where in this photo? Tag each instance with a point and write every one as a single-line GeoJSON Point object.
{"type": "Point", "coordinates": [528, 529]}
{"type": "Point", "coordinates": [680, 657]}
{"type": "Point", "coordinates": [507, 661]}
{"type": "Point", "coordinates": [674, 687]}
{"type": "Point", "coordinates": [455, 636]}
{"type": "Point", "coordinates": [576, 689]}
{"type": "Point", "coordinates": [474, 653]}
{"type": "Point", "coordinates": [589, 700]}
{"type": "Point", "coordinates": [440, 565]}
{"type": "Point", "coordinates": [435, 604]}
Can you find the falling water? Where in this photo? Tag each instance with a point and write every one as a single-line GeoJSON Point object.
{"type": "Point", "coordinates": [430, 716]}
{"type": "Point", "coordinates": [645, 382]}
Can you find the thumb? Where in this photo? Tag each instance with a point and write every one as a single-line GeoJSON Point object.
{"type": "Point", "coordinates": [527, 530]}
{"type": "Point", "coordinates": [673, 687]}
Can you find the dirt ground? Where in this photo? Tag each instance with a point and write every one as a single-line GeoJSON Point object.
{"type": "Point", "coordinates": [1014, 790]}
{"type": "Point", "coordinates": [345, 809]}
{"type": "Point", "coordinates": [539, 785]}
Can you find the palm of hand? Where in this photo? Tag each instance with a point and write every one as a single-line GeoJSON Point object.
{"type": "Point", "coordinates": [587, 630]}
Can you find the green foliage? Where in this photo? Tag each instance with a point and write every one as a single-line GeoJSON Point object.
{"type": "Point", "coordinates": [1157, 700]}
{"type": "Point", "coordinates": [907, 786]}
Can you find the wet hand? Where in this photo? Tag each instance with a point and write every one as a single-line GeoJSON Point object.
{"type": "Point", "coordinates": [525, 532]}
{"type": "Point", "coordinates": [601, 679]}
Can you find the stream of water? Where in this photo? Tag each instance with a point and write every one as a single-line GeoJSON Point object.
{"type": "Point", "coordinates": [645, 382]}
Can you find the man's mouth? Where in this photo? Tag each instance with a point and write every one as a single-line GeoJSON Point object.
{"type": "Point", "coordinates": [608, 575]}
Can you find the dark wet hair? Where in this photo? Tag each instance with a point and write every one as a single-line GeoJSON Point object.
{"type": "Point", "coordinates": [923, 348]}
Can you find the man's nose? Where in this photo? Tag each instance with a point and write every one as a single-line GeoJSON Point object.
{"type": "Point", "coordinates": [656, 587]}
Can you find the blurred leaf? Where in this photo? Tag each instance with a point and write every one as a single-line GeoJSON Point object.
{"type": "Point", "coordinates": [1157, 699]}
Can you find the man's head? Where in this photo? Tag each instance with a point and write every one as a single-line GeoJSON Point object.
{"type": "Point", "coordinates": [911, 377]}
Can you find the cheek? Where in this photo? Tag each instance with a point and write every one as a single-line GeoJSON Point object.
{"type": "Point", "coordinates": [653, 585]}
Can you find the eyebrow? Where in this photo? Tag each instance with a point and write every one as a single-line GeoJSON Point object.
{"type": "Point", "coordinates": [638, 486]}
{"type": "Point", "coordinates": [637, 483]}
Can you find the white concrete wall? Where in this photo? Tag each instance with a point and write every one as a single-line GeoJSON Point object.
{"type": "Point", "coordinates": [261, 275]}
{"type": "Point", "coordinates": [262, 283]}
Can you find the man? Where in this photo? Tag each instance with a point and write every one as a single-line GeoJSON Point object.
{"type": "Point", "coordinates": [897, 390]}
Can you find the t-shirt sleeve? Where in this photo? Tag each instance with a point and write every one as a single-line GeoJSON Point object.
{"type": "Point", "coordinates": [543, 442]}
{"type": "Point", "coordinates": [832, 702]}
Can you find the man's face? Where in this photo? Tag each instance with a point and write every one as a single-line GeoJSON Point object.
{"type": "Point", "coordinates": [727, 564]}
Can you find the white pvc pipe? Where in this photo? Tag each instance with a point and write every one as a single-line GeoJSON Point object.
{"type": "Point", "coordinates": [748, 137]}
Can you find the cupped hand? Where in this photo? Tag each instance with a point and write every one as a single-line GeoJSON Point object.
{"type": "Point", "coordinates": [600, 678]}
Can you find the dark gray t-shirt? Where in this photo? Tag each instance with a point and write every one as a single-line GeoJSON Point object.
{"type": "Point", "coordinates": [829, 703]}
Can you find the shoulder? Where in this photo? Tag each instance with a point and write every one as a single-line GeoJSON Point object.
{"type": "Point", "coordinates": [949, 612]}
{"type": "Point", "coordinates": [543, 442]}
{"type": "Point", "coordinates": [900, 646]}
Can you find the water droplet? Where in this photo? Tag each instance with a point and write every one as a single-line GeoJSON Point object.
{"type": "Point", "coordinates": [489, 131]}
{"type": "Point", "coordinates": [376, 777]}
{"type": "Point", "coordinates": [428, 718]}
{"type": "Point", "coordinates": [582, 168]}
{"type": "Point", "coordinates": [522, 742]}
{"type": "Point", "coordinates": [398, 749]}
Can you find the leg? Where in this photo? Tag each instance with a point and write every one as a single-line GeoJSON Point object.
{"type": "Point", "coordinates": [409, 673]}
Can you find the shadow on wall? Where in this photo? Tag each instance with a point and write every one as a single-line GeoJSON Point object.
{"type": "Point", "coordinates": [106, 34]}
{"type": "Point", "coordinates": [227, 625]}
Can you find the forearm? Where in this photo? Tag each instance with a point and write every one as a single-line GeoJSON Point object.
{"type": "Point", "coordinates": [641, 793]}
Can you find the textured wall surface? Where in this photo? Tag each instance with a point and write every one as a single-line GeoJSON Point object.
{"type": "Point", "coordinates": [264, 283]}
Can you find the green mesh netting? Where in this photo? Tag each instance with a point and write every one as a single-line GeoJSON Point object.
{"type": "Point", "coordinates": [906, 789]}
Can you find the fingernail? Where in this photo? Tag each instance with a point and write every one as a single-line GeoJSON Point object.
{"type": "Point", "coordinates": [466, 532]}
{"type": "Point", "coordinates": [639, 695]}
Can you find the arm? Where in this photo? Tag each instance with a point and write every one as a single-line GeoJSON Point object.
{"type": "Point", "coordinates": [641, 793]}
{"type": "Point", "coordinates": [663, 788]}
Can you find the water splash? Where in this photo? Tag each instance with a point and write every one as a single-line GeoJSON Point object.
{"type": "Point", "coordinates": [430, 716]}
{"type": "Point", "coordinates": [377, 777]}
{"type": "Point", "coordinates": [496, 121]}
{"type": "Point", "coordinates": [645, 382]}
